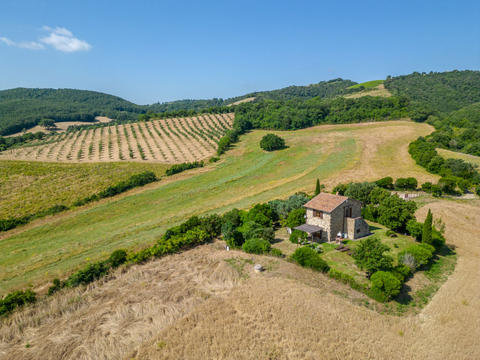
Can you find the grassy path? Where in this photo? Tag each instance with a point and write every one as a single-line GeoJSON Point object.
{"type": "Point", "coordinates": [247, 175]}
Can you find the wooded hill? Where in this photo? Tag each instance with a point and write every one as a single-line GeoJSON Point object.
{"type": "Point", "coordinates": [23, 108]}
{"type": "Point", "coordinates": [450, 101]}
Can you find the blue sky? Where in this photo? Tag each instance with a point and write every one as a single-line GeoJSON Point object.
{"type": "Point", "coordinates": [149, 51]}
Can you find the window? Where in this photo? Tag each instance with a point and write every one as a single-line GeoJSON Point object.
{"type": "Point", "coordinates": [348, 211]}
{"type": "Point", "coordinates": [317, 213]}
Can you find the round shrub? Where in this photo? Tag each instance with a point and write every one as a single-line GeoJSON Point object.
{"type": "Point", "coordinates": [235, 239]}
{"type": "Point", "coordinates": [385, 285]}
{"type": "Point", "coordinates": [276, 252]}
{"type": "Point", "coordinates": [296, 218]}
{"type": "Point", "coordinates": [117, 258]}
{"type": "Point", "coordinates": [308, 257]}
{"type": "Point", "coordinates": [421, 253]}
{"type": "Point", "coordinates": [401, 272]}
{"type": "Point", "coordinates": [256, 246]}
{"type": "Point", "coordinates": [271, 142]}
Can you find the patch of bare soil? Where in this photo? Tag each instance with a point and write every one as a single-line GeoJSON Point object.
{"type": "Point", "coordinates": [249, 99]}
{"type": "Point", "coordinates": [379, 90]}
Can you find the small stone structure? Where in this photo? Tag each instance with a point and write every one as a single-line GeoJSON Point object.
{"type": "Point", "coordinates": [328, 215]}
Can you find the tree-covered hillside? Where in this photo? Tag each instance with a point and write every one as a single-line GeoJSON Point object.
{"type": "Point", "coordinates": [23, 108]}
{"type": "Point", "coordinates": [323, 89]}
{"type": "Point", "coordinates": [450, 101]}
{"type": "Point", "coordinates": [438, 92]}
{"type": "Point", "coordinates": [297, 114]}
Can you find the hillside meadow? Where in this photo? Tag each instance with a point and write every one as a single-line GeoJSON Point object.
{"type": "Point", "coordinates": [41, 251]}
{"type": "Point", "coordinates": [27, 187]}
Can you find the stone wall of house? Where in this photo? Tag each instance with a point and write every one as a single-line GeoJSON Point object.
{"type": "Point", "coordinates": [357, 228]}
{"type": "Point", "coordinates": [324, 223]}
{"type": "Point", "coordinates": [336, 222]}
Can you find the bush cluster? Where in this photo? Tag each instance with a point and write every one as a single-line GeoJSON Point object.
{"type": "Point", "coordinates": [385, 286]}
{"type": "Point", "coordinates": [16, 299]}
{"type": "Point", "coordinates": [421, 254]}
{"type": "Point", "coordinates": [307, 257]}
{"type": "Point", "coordinates": [298, 237]}
{"type": "Point", "coordinates": [454, 172]}
{"type": "Point", "coordinates": [178, 168]}
{"type": "Point", "coordinates": [256, 246]}
{"type": "Point", "coordinates": [7, 224]}
{"type": "Point", "coordinates": [135, 180]}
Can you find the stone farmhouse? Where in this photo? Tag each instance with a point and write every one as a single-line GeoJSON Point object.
{"type": "Point", "coordinates": [329, 215]}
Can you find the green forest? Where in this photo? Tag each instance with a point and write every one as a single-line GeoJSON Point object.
{"type": "Point", "coordinates": [298, 114]}
{"type": "Point", "coordinates": [22, 108]}
{"type": "Point", "coordinates": [450, 101]}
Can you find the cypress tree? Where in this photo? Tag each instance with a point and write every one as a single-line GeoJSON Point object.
{"type": "Point", "coordinates": [427, 229]}
{"type": "Point", "coordinates": [317, 188]}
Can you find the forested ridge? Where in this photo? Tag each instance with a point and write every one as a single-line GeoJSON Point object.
{"type": "Point", "coordinates": [450, 101]}
{"type": "Point", "coordinates": [298, 114]}
{"type": "Point", "coordinates": [23, 108]}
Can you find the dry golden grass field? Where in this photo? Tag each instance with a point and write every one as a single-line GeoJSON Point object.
{"type": "Point", "coordinates": [208, 303]}
{"type": "Point", "coordinates": [167, 141]}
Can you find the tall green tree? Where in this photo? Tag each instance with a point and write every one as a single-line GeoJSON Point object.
{"type": "Point", "coordinates": [369, 255]}
{"type": "Point", "coordinates": [427, 229]}
{"type": "Point", "coordinates": [317, 188]}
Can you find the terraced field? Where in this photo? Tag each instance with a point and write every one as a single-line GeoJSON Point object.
{"type": "Point", "coordinates": [167, 141]}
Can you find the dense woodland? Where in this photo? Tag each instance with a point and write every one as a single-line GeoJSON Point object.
{"type": "Point", "coordinates": [438, 92]}
{"type": "Point", "coordinates": [22, 108]}
{"type": "Point", "coordinates": [298, 114]}
{"type": "Point", "coordinates": [449, 101]}
{"type": "Point", "coordinates": [323, 89]}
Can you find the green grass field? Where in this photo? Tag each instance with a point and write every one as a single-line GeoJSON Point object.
{"type": "Point", "coordinates": [368, 84]}
{"type": "Point", "coordinates": [447, 154]}
{"type": "Point", "coordinates": [27, 187]}
{"type": "Point", "coordinates": [246, 175]}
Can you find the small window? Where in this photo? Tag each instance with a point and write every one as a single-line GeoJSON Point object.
{"type": "Point", "coordinates": [317, 213]}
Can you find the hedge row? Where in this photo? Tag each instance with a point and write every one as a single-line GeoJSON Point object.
{"type": "Point", "coordinates": [7, 224]}
{"type": "Point", "coordinates": [178, 168]}
{"type": "Point", "coordinates": [134, 181]}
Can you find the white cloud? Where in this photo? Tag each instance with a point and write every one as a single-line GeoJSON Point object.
{"type": "Point", "coordinates": [62, 39]}
{"type": "Point", "coordinates": [59, 38]}
{"type": "Point", "coordinates": [32, 45]}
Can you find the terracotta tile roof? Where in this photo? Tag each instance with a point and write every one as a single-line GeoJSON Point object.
{"type": "Point", "coordinates": [325, 202]}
